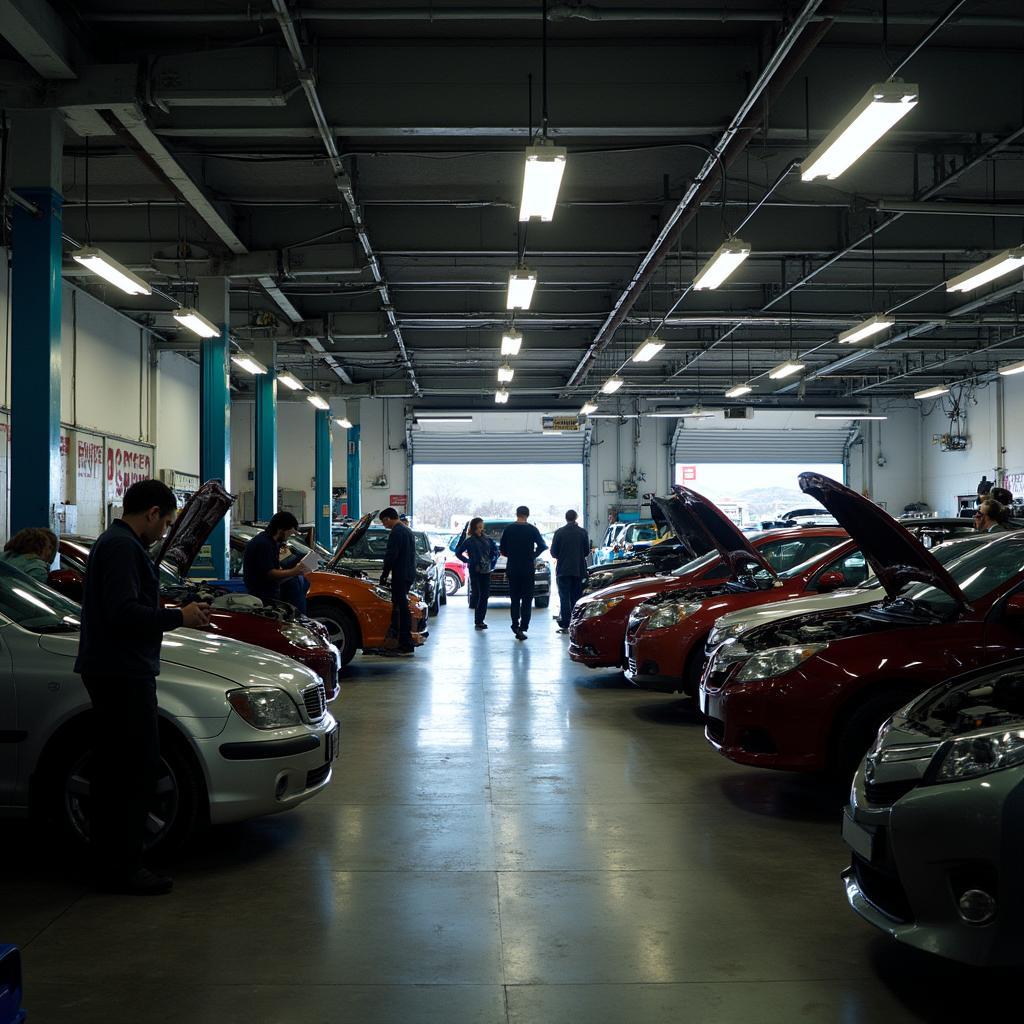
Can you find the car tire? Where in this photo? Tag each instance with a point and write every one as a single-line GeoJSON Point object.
{"type": "Point", "coordinates": [694, 667]}
{"type": "Point", "coordinates": [452, 583]}
{"type": "Point", "coordinates": [542, 602]}
{"type": "Point", "coordinates": [340, 625]}
{"type": "Point", "coordinates": [443, 599]}
{"type": "Point", "coordinates": [435, 607]}
{"type": "Point", "coordinates": [855, 733]}
{"type": "Point", "coordinates": [178, 810]}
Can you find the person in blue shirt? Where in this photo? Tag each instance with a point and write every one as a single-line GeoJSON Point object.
{"type": "Point", "coordinates": [261, 562]}
{"type": "Point", "coordinates": [400, 566]}
{"type": "Point", "coordinates": [479, 553]}
{"type": "Point", "coordinates": [521, 543]}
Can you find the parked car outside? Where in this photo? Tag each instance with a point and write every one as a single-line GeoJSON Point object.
{"type": "Point", "coordinates": [934, 818]}
{"type": "Point", "coordinates": [494, 528]}
{"type": "Point", "coordinates": [622, 539]}
{"type": "Point", "coordinates": [454, 572]}
{"type": "Point", "coordinates": [809, 693]}
{"type": "Point", "coordinates": [243, 731]}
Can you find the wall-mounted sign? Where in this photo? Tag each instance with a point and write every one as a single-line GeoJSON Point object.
{"type": "Point", "coordinates": [399, 502]}
{"type": "Point", "coordinates": [560, 423]}
{"type": "Point", "coordinates": [126, 465]}
{"type": "Point", "coordinates": [687, 473]}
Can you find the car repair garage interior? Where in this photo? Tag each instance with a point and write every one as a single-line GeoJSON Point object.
{"type": "Point", "coordinates": [739, 286]}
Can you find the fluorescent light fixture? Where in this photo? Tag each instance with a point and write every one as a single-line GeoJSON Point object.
{"type": "Point", "coordinates": [587, 408]}
{"type": "Point", "coordinates": [318, 401]}
{"type": "Point", "coordinates": [786, 369]}
{"type": "Point", "coordinates": [865, 329]}
{"type": "Point", "coordinates": [505, 373]}
{"type": "Point", "coordinates": [521, 283]}
{"type": "Point", "coordinates": [848, 416]}
{"type": "Point", "coordinates": [443, 419]}
{"type": "Point", "coordinates": [932, 392]}
{"type": "Point", "coordinates": [344, 422]}
{"type": "Point", "coordinates": [999, 265]}
{"type": "Point", "coordinates": [648, 350]}
{"type": "Point", "coordinates": [726, 258]}
{"type": "Point", "coordinates": [511, 342]}
{"type": "Point", "coordinates": [196, 322]}
{"type": "Point", "coordinates": [501, 396]}
{"type": "Point", "coordinates": [682, 414]}
{"type": "Point", "coordinates": [247, 363]}
{"type": "Point", "coordinates": [1009, 371]}
{"type": "Point", "coordinates": [879, 109]}
{"type": "Point", "coordinates": [611, 385]}
{"type": "Point", "coordinates": [290, 381]}
{"type": "Point", "coordinates": [739, 390]}
{"type": "Point", "coordinates": [542, 178]}
{"type": "Point", "coordinates": [615, 416]}
{"type": "Point", "coordinates": [102, 265]}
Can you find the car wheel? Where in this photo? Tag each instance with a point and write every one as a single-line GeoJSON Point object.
{"type": "Point", "coordinates": [694, 667]}
{"type": "Point", "coordinates": [452, 583]}
{"type": "Point", "coordinates": [542, 602]}
{"type": "Point", "coordinates": [443, 597]}
{"type": "Point", "coordinates": [176, 812]}
{"type": "Point", "coordinates": [338, 622]}
{"type": "Point", "coordinates": [435, 605]}
{"type": "Point", "coordinates": [855, 734]}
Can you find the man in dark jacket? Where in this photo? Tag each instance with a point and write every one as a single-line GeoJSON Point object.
{"type": "Point", "coordinates": [570, 547]}
{"type": "Point", "coordinates": [521, 543]}
{"type": "Point", "coordinates": [261, 561]}
{"type": "Point", "coordinates": [400, 566]}
{"type": "Point", "coordinates": [119, 660]}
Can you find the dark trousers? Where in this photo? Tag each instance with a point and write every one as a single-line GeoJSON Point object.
{"type": "Point", "coordinates": [294, 591]}
{"type": "Point", "coordinates": [520, 589]}
{"type": "Point", "coordinates": [401, 617]}
{"type": "Point", "coordinates": [480, 583]}
{"type": "Point", "coordinates": [125, 769]}
{"type": "Point", "coordinates": [570, 590]}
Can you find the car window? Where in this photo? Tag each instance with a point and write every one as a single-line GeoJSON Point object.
{"type": "Point", "coordinates": [371, 545]}
{"type": "Point", "coordinates": [422, 543]}
{"type": "Point", "coordinates": [35, 607]}
{"type": "Point", "coordinates": [698, 564]}
{"type": "Point", "coordinates": [978, 573]}
{"type": "Point", "coordinates": [853, 565]}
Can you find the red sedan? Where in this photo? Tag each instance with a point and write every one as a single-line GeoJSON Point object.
{"type": "Point", "coordinates": [598, 626]}
{"type": "Point", "coordinates": [666, 636]}
{"type": "Point", "coordinates": [809, 693]}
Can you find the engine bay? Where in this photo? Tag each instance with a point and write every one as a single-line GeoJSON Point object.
{"type": "Point", "coordinates": [990, 705]}
{"type": "Point", "coordinates": [806, 629]}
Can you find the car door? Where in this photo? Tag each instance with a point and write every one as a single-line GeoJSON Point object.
{"type": "Point", "coordinates": [12, 732]}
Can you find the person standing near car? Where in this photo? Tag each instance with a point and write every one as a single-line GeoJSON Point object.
{"type": "Point", "coordinates": [400, 566]}
{"type": "Point", "coordinates": [991, 517]}
{"type": "Point", "coordinates": [261, 560]}
{"type": "Point", "coordinates": [482, 554]}
{"type": "Point", "coordinates": [119, 660]}
{"type": "Point", "coordinates": [570, 547]}
{"type": "Point", "coordinates": [521, 543]}
{"type": "Point", "coordinates": [32, 552]}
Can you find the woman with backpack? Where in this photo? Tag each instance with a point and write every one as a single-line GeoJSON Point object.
{"type": "Point", "coordinates": [480, 554]}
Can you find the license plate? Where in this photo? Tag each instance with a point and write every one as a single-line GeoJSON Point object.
{"type": "Point", "coordinates": [331, 745]}
{"type": "Point", "coordinates": [858, 838]}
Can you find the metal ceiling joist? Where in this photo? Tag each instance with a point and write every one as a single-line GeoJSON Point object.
{"type": "Point", "coordinates": [38, 33]}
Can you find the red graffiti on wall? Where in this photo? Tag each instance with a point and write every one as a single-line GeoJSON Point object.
{"type": "Point", "coordinates": [126, 467]}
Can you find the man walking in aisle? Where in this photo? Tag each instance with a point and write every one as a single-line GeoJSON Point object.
{"type": "Point", "coordinates": [521, 543]}
{"type": "Point", "coordinates": [570, 547]}
{"type": "Point", "coordinates": [400, 565]}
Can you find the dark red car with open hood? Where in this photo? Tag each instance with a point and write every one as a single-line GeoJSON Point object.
{"type": "Point", "coordinates": [666, 635]}
{"type": "Point", "coordinates": [809, 693]}
{"type": "Point", "coordinates": [276, 625]}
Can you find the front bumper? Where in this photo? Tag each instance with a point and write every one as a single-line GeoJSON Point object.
{"type": "Point", "coordinates": [918, 847]}
{"type": "Point", "coordinates": [597, 642]}
{"type": "Point", "coordinates": [499, 584]}
{"type": "Point", "coordinates": [655, 667]}
{"type": "Point", "coordinates": [251, 772]}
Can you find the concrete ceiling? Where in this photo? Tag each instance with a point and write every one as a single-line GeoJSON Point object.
{"type": "Point", "coordinates": [356, 170]}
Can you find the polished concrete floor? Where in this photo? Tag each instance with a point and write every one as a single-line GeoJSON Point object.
{"type": "Point", "coordinates": [508, 838]}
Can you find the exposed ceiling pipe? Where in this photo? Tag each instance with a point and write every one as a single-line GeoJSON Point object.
{"type": "Point", "coordinates": [780, 68]}
{"type": "Point", "coordinates": [342, 181]}
{"type": "Point", "coordinates": [948, 209]}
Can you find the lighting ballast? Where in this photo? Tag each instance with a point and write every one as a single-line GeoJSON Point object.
{"type": "Point", "coordinates": [879, 109]}
{"type": "Point", "coordinates": [998, 266]}
{"type": "Point", "coordinates": [866, 329]}
{"type": "Point", "coordinates": [102, 265]}
{"type": "Point", "coordinates": [724, 261]}
{"type": "Point", "coordinates": [542, 178]}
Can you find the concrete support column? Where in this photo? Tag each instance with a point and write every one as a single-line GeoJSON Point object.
{"type": "Point", "coordinates": [215, 409]}
{"type": "Point", "coordinates": [37, 141]}
{"type": "Point", "coordinates": [265, 485]}
{"type": "Point", "coordinates": [322, 465]}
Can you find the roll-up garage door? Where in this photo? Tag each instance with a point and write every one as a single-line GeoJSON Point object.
{"type": "Point", "coordinates": [451, 447]}
{"type": "Point", "coordinates": [808, 445]}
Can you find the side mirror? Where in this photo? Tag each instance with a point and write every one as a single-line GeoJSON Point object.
{"type": "Point", "coordinates": [438, 549]}
{"type": "Point", "coordinates": [1015, 605]}
{"type": "Point", "coordinates": [67, 582]}
{"type": "Point", "coordinates": [831, 580]}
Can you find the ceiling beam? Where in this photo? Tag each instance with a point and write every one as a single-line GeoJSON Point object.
{"type": "Point", "coordinates": [40, 36]}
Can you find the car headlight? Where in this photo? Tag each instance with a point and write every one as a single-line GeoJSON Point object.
{"type": "Point", "coordinates": [777, 662]}
{"type": "Point", "coordinates": [384, 593]}
{"type": "Point", "coordinates": [722, 633]}
{"type": "Point", "coordinates": [729, 652]}
{"type": "Point", "coordinates": [264, 707]}
{"type": "Point", "coordinates": [967, 757]}
{"type": "Point", "coordinates": [596, 608]}
{"type": "Point", "coordinates": [300, 636]}
{"type": "Point", "coordinates": [671, 614]}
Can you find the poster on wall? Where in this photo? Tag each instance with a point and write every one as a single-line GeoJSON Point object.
{"type": "Point", "coordinates": [126, 464]}
{"type": "Point", "coordinates": [399, 502]}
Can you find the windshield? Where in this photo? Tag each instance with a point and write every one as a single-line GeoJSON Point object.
{"type": "Point", "coordinates": [35, 607]}
{"type": "Point", "coordinates": [640, 533]}
{"type": "Point", "coordinates": [979, 572]}
{"type": "Point", "coordinates": [697, 564]}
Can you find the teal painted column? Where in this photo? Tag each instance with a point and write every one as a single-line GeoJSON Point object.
{"type": "Point", "coordinates": [215, 413]}
{"type": "Point", "coordinates": [35, 484]}
{"type": "Point", "coordinates": [322, 512]}
{"type": "Point", "coordinates": [353, 470]}
{"type": "Point", "coordinates": [265, 484]}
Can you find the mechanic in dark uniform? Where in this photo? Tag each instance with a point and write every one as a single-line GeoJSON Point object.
{"type": "Point", "coordinates": [119, 660]}
{"type": "Point", "coordinates": [261, 562]}
{"type": "Point", "coordinates": [570, 547]}
{"type": "Point", "coordinates": [521, 543]}
{"type": "Point", "coordinates": [400, 566]}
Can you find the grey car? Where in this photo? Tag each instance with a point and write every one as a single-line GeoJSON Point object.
{"type": "Point", "coordinates": [936, 819]}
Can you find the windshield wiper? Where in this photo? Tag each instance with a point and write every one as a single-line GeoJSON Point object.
{"type": "Point", "coordinates": [62, 627]}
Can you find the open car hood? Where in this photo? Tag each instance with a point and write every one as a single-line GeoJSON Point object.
{"type": "Point", "coordinates": [895, 554]}
{"type": "Point", "coordinates": [350, 538]}
{"type": "Point", "coordinates": [701, 526]}
{"type": "Point", "coordinates": [191, 530]}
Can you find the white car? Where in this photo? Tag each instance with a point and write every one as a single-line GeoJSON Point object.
{"type": "Point", "coordinates": [244, 731]}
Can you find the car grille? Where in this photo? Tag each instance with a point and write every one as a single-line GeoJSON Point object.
{"type": "Point", "coordinates": [885, 794]}
{"type": "Point", "coordinates": [315, 699]}
{"type": "Point", "coordinates": [632, 666]}
{"type": "Point", "coordinates": [883, 890]}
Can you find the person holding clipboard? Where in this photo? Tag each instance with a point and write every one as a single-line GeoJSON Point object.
{"type": "Point", "coordinates": [262, 571]}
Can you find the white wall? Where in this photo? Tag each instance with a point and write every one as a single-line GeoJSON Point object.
{"type": "Point", "coordinates": [895, 443]}
{"type": "Point", "coordinates": [382, 428]}
{"type": "Point", "coordinates": [177, 419]}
